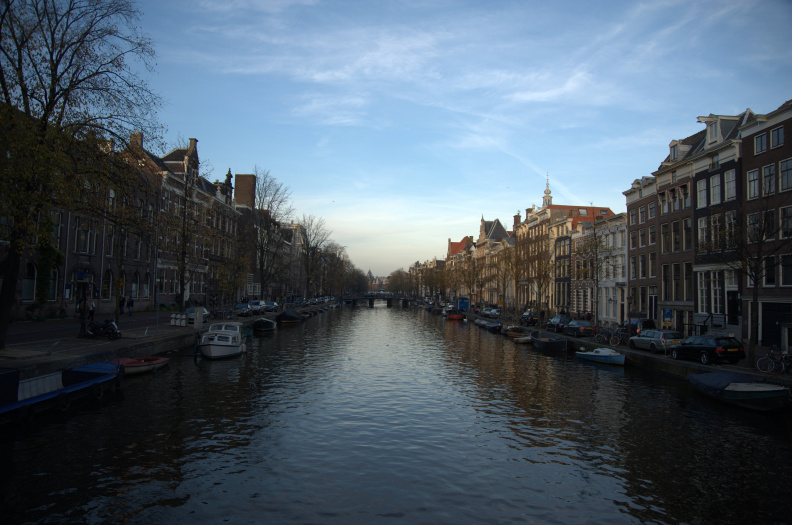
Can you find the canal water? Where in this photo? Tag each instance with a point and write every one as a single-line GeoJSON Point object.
{"type": "Point", "coordinates": [378, 415]}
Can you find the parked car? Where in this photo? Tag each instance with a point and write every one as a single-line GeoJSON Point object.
{"type": "Point", "coordinates": [709, 349]}
{"type": "Point", "coordinates": [638, 325]}
{"type": "Point", "coordinates": [243, 310]}
{"type": "Point", "coordinates": [579, 328]}
{"type": "Point", "coordinates": [656, 340]}
{"type": "Point", "coordinates": [495, 312]}
{"type": "Point", "coordinates": [486, 312]}
{"type": "Point", "coordinates": [190, 312]}
{"type": "Point", "coordinates": [557, 323]}
{"type": "Point", "coordinates": [257, 306]}
{"type": "Point", "coordinates": [529, 318]}
{"type": "Point", "coordinates": [270, 306]}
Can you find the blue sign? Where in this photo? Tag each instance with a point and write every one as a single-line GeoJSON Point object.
{"type": "Point", "coordinates": [463, 303]}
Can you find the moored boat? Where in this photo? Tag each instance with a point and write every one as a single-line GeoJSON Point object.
{"type": "Point", "coordinates": [493, 326]}
{"type": "Point", "coordinates": [454, 315]}
{"type": "Point", "coordinates": [525, 340]}
{"type": "Point", "coordinates": [517, 331]}
{"type": "Point", "coordinates": [263, 324]}
{"type": "Point", "coordinates": [547, 341]}
{"type": "Point", "coordinates": [222, 340]}
{"type": "Point", "coordinates": [608, 356]}
{"type": "Point", "coordinates": [141, 365]}
{"type": "Point", "coordinates": [741, 390]}
{"type": "Point", "coordinates": [289, 317]}
{"type": "Point", "coordinates": [88, 376]}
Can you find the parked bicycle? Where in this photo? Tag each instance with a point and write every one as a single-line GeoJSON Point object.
{"type": "Point", "coordinates": [774, 361]}
{"type": "Point", "coordinates": [619, 337]}
{"type": "Point", "coordinates": [603, 336]}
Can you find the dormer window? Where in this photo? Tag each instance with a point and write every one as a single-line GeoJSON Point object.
{"type": "Point", "coordinates": [712, 131]}
{"type": "Point", "coordinates": [674, 152]}
{"type": "Point", "coordinates": [714, 162]}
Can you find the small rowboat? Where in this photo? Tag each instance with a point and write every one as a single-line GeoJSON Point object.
{"type": "Point", "coordinates": [526, 340]}
{"type": "Point", "coordinates": [142, 365]}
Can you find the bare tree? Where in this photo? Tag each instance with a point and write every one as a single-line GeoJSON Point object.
{"type": "Point", "coordinates": [70, 82]}
{"type": "Point", "coordinates": [594, 256]}
{"type": "Point", "coordinates": [315, 237]}
{"type": "Point", "coordinates": [272, 208]}
{"type": "Point", "coordinates": [748, 243]}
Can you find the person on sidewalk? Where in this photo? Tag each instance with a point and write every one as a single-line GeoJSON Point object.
{"type": "Point", "coordinates": [130, 304]}
{"type": "Point", "coordinates": [121, 305]}
{"type": "Point", "coordinates": [91, 311]}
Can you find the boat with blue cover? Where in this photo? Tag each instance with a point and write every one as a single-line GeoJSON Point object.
{"type": "Point", "coordinates": [741, 390]}
{"type": "Point", "coordinates": [85, 377]}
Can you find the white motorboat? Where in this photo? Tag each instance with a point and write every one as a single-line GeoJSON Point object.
{"type": "Point", "coordinates": [222, 340]}
{"type": "Point", "coordinates": [602, 355]}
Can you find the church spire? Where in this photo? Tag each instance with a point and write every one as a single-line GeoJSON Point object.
{"type": "Point", "coordinates": [548, 199]}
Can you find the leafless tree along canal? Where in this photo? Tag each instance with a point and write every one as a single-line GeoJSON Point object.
{"type": "Point", "coordinates": [368, 414]}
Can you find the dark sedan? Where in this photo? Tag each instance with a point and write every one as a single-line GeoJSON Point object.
{"type": "Point", "coordinates": [709, 349]}
{"type": "Point", "coordinates": [557, 324]}
{"type": "Point", "coordinates": [579, 329]}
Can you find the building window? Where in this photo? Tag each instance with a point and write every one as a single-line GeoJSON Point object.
{"type": "Point", "coordinates": [715, 162]}
{"type": "Point", "coordinates": [633, 237]}
{"type": "Point", "coordinates": [712, 129]}
{"type": "Point", "coordinates": [642, 236]}
{"type": "Point", "coordinates": [643, 266]}
{"type": "Point", "coordinates": [769, 271]}
{"type": "Point", "coordinates": [652, 212]}
{"type": "Point", "coordinates": [689, 281]}
{"type": "Point", "coordinates": [674, 152]}
{"type": "Point", "coordinates": [652, 234]}
{"type": "Point", "coordinates": [29, 283]}
{"type": "Point", "coordinates": [703, 298]}
{"type": "Point", "coordinates": [786, 175]}
{"type": "Point", "coordinates": [715, 189]}
{"type": "Point", "coordinates": [753, 227]}
{"type": "Point", "coordinates": [786, 222]}
{"type": "Point", "coordinates": [665, 238]}
{"type": "Point", "coordinates": [676, 236]}
{"type": "Point", "coordinates": [677, 277]}
{"type": "Point", "coordinates": [786, 270]}
{"type": "Point", "coordinates": [730, 228]}
{"type": "Point", "coordinates": [715, 230]}
{"type": "Point", "coordinates": [666, 283]}
{"type": "Point", "coordinates": [777, 137]}
{"type": "Point", "coordinates": [753, 184]}
{"type": "Point", "coordinates": [687, 234]}
{"type": "Point", "coordinates": [632, 217]}
{"type": "Point", "coordinates": [730, 186]}
{"type": "Point", "coordinates": [632, 267]}
{"type": "Point", "coordinates": [107, 285]}
{"type": "Point", "coordinates": [760, 144]}
{"type": "Point", "coordinates": [701, 194]}
{"type": "Point", "coordinates": [702, 233]}
{"type": "Point", "coordinates": [768, 180]}
{"type": "Point", "coordinates": [717, 292]}
{"type": "Point", "coordinates": [652, 264]}
{"type": "Point", "coordinates": [642, 214]}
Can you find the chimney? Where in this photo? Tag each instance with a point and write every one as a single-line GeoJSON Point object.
{"type": "Point", "coordinates": [136, 139]}
{"type": "Point", "coordinates": [517, 220]}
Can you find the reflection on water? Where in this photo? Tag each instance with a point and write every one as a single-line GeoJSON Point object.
{"type": "Point", "coordinates": [364, 415]}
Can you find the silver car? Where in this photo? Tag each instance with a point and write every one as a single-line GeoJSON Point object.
{"type": "Point", "coordinates": [656, 340]}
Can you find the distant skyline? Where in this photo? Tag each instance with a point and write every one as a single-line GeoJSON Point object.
{"type": "Point", "coordinates": [402, 123]}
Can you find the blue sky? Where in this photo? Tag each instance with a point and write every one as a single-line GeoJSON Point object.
{"type": "Point", "coordinates": [402, 123]}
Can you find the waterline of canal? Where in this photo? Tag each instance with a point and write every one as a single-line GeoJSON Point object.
{"type": "Point", "coordinates": [369, 414]}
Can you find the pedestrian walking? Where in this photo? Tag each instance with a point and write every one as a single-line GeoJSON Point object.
{"type": "Point", "coordinates": [130, 304]}
{"type": "Point", "coordinates": [91, 310]}
{"type": "Point", "coordinates": [122, 304]}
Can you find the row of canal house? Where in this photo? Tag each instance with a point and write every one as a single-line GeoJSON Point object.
{"type": "Point", "coordinates": [104, 262]}
{"type": "Point", "coordinates": [711, 229]}
{"type": "Point", "coordinates": [703, 235]}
